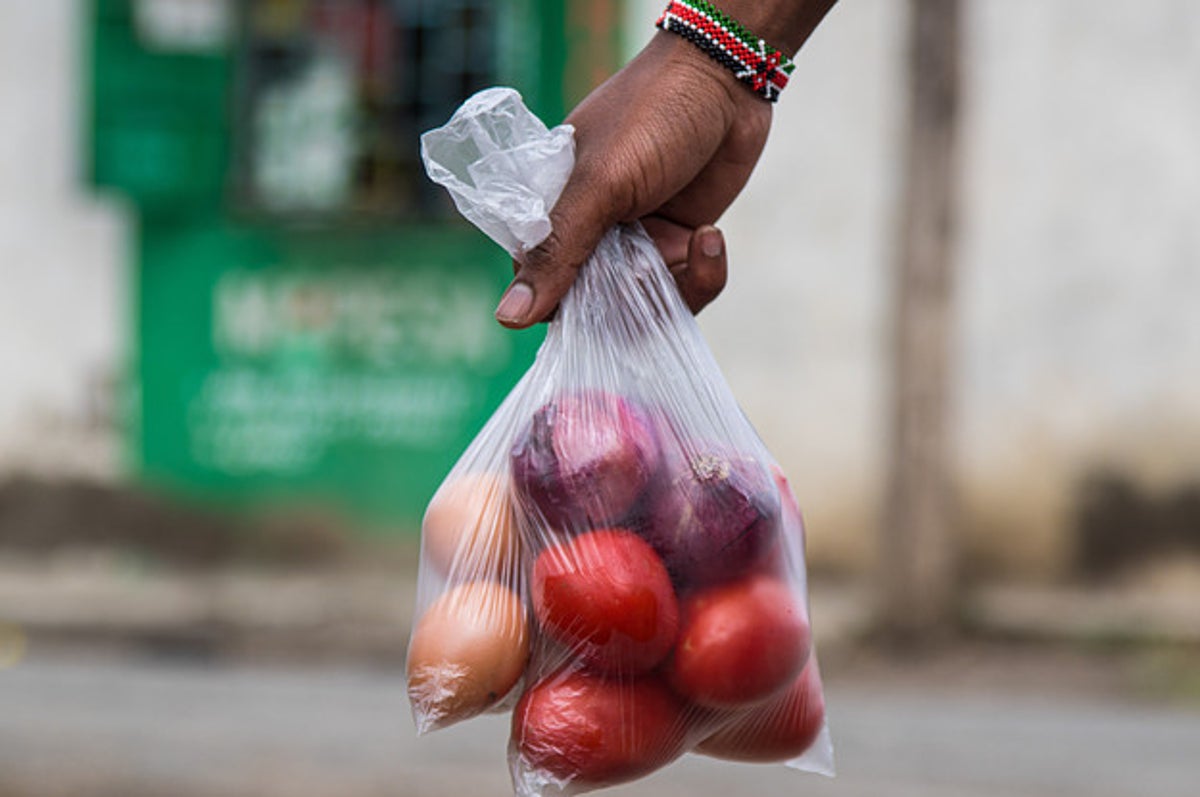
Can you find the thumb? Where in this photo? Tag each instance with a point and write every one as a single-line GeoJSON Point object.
{"type": "Point", "coordinates": [579, 219]}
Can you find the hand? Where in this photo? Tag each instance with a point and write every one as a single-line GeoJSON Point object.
{"type": "Point", "coordinates": [671, 139]}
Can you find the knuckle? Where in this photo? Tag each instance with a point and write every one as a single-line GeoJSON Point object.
{"type": "Point", "coordinates": [546, 256]}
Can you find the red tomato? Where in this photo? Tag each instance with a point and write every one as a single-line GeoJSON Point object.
{"type": "Point", "coordinates": [608, 596]}
{"type": "Point", "coordinates": [581, 727]}
{"type": "Point", "coordinates": [739, 642]}
{"type": "Point", "coordinates": [777, 731]}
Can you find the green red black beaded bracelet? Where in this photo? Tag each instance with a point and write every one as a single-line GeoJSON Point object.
{"type": "Point", "coordinates": [754, 62]}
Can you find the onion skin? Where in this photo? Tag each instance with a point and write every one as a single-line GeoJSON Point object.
{"type": "Point", "coordinates": [712, 516]}
{"type": "Point", "coordinates": [585, 459]}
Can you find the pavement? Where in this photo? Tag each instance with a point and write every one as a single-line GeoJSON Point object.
{"type": "Point", "coordinates": [119, 679]}
{"type": "Point", "coordinates": [122, 727]}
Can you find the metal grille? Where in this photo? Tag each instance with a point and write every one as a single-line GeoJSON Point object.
{"type": "Point", "coordinates": [333, 94]}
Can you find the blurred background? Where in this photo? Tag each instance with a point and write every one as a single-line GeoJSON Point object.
{"type": "Point", "coordinates": [242, 339]}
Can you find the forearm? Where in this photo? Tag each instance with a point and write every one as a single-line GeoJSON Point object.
{"type": "Point", "coordinates": [785, 24]}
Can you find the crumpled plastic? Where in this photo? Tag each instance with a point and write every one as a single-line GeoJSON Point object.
{"type": "Point", "coordinates": [502, 166]}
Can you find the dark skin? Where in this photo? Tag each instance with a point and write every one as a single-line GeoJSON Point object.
{"type": "Point", "coordinates": [670, 140]}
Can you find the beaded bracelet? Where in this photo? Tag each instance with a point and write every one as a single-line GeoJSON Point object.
{"type": "Point", "coordinates": [754, 62]}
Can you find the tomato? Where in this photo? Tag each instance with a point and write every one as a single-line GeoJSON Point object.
{"type": "Point", "coordinates": [777, 731]}
{"type": "Point", "coordinates": [582, 727]}
{"type": "Point", "coordinates": [608, 596]}
{"type": "Point", "coordinates": [739, 642]}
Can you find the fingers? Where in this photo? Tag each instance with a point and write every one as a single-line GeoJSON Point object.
{"type": "Point", "coordinates": [579, 219]}
{"type": "Point", "coordinates": [697, 259]}
{"type": "Point", "coordinates": [672, 239]}
{"type": "Point", "coordinates": [703, 277]}
{"type": "Point", "coordinates": [726, 173]}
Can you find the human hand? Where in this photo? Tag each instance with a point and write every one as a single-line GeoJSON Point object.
{"type": "Point", "coordinates": [671, 140]}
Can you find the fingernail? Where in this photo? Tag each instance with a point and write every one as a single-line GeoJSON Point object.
{"type": "Point", "coordinates": [711, 243]}
{"type": "Point", "coordinates": [515, 303]}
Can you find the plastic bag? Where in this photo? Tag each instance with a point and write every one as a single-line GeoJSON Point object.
{"type": "Point", "coordinates": [616, 557]}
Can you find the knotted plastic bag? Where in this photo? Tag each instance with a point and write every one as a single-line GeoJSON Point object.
{"type": "Point", "coordinates": [616, 558]}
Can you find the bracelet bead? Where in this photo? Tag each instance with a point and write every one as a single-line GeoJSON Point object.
{"type": "Point", "coordinates": [754, 62]}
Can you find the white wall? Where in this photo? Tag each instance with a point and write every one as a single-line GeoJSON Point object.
{"type": "Point", "coordinates": [1081, 261]}
{"type": "Point", "coordinates": [62, 288]}
{"type": "Point", "coordinates": [1079, 275]}
{"type": "Point", "coordinates": [1079, 272]}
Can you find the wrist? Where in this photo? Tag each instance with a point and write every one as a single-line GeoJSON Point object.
{"type": "Point", "coordinates": [784, 24]}
{"type": "Point", "coordinates": [754, 61]}
{"type": "Point", "coordinates": [706, 80]}
{"type": "Point", "coordinates": [777, 21]}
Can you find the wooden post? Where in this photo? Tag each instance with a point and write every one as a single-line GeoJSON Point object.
{"type": "Point", "coordinates": [918, 556]}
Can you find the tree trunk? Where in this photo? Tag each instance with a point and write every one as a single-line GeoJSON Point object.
{"type": "Point", "coordinates": [917, 549]}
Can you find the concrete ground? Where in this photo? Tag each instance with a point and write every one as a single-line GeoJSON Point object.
{"type": "Point", "coordinates": [118, 680]}
{"type": "Point", "coordinates": [121, 727]}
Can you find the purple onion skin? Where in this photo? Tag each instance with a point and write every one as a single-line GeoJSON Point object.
{"type": "Point", "coordinates": [711, 516]}
{"type": "Point", "coordinates": [585, 459]}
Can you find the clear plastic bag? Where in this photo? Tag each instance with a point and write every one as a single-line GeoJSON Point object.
{"type": "Point", "coordinates": [616, 558]}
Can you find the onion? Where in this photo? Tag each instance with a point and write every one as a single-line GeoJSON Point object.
{"type": "Point", "coordinates": [712, 516]}
{"type": "Point", "coordinates": [585, 459]}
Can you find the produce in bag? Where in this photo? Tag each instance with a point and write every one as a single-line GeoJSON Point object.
{"type": "Point", "coordinates": [632, 554]}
